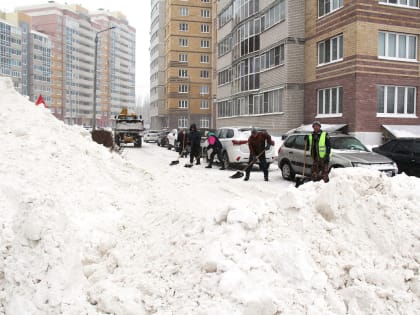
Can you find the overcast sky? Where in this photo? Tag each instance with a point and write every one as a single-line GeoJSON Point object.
{"type": "Point", "coordinates": [138, 15]}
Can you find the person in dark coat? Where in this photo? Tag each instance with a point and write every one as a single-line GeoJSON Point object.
{"type": "Point", "coordinates": [194, 140]}
{"type": "Point", "coordinates": [319, 145]}
{"type": "Point", "coordinates": [216, 146]}
{"type": "Point", "coordinates": [182, 140]}
{"type": "Point", "coordinates": [258, 143]}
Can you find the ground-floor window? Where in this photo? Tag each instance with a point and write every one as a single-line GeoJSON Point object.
{"type": "Point", "coordinates": [396, 100]}
{"type": "Point", "coordinates": [182, 122]}
{"type": "Point", "coordinates": [330, 101]}
{"type": "Point", "coordinates": [204, 123]}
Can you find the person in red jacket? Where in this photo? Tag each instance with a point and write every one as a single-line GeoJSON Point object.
{"type": "Point", "coordinates": [258, 143]}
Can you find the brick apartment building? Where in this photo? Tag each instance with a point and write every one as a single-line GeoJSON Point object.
{"type": "Point", "coordinates": [362, 65]}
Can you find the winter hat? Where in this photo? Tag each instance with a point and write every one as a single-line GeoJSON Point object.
{"type": "Point", "coordinates": [212, 140]}
{"type": "Point", "coordinates": [316, 122]}
{"type": "Point", "coordinates": [253, 131]}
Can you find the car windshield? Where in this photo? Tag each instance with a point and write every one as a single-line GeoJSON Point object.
{"type": "Point", "coordinates": [347, 143]}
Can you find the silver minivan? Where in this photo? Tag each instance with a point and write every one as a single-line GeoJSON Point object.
{"type": "Point", "coordinates": [346, 151]}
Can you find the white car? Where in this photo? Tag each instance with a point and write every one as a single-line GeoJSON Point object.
{"type": "Point", "coordinates": [235, 145]}
{"type": "Point", "coordinates": [151, 136]}
{"type": "Point", "coordinates": [172, 138]}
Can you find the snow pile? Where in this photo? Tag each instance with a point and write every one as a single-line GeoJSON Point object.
{"type": "Point", "coordinates": [56, 207]}
{"type": "Point", "coordinates": [84, 230]}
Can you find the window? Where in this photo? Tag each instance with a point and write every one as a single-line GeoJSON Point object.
{"type": "Point", "coordinates": [225, 16]}
{"type": "Point", "coordinates": [183, 122]}
{"type": "Point", "coordinates": [204, 73]}
{"type": "Point", "coordinates": [183, 88]}
{"type": "Point", "coordinates": [205, 43]}
{"type": "Point", "coordinates": [330, 101]}
{"type": "Point", "coordinates": [204, 104]}
{"type": "Point", "coordinates": [183, 57]}
{"type": "Point", "coordinates": [183, 73]}
{"type": "Point", "coordinates": [205, 1]}
{"type": "Point", "coordinates": [396, 100]}
{"type": "Point", "coordinates": [397, 46]}
{"type": "Point", "coordinates": [204, 58]}
{"type": "Point", "coordinates": [183, 27]}
{"type": "Point", "coordinates": [204, 89]}
{"type": "Point", "coordinates": [330, 50]}
{"type": "Point", "coordinates": [401, 3]}
{"type": "Point", "coordinates": [183, 103]}
{"type": "Point", "coordinates": [205, 28]}
{"type": "Point", "coordinates": [273, 16]}
{"type": "Point", "coordinates": [272, 58]}
{"type": "Point", "coordinates": [224, 77]}
{"type": "Point", "coordinates": [183, 11]}
{"type": "Point", "coordinates": [205, 13]}
{"type": "Point", "coordinates": [204, 123]}
{"type": "Point", "coordinates": [224, 46]}
{"type": "Point", "coordinates": [328, 6]}
{"type": "Point", "coordinates": [183, 42]}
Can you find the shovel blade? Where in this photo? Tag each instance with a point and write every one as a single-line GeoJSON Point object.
{"type": "Point", "coordinates": [174, 163]}
{"type": "Point", "coordinates": [238, 174]}
{"type": "Point", "coordinates": [300, 180]}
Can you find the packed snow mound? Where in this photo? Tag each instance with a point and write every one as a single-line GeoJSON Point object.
{"type": "Point", "coordinates": [45, 231]}
{"type": "Point", "coordinates": [85, 231]}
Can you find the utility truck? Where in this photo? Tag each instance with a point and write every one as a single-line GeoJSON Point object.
{"type": "Point", "coordinates": [129, 128]}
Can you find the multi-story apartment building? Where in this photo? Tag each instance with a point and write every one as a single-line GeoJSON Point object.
{"type": "Point", "coordinates": [158, 117]}
{"type": "Point", "coordinates": [260, 65]}
{"type": "Point", "coordinates": [187, 63]}
{"type": "Point", "coordinates": [25, 56]}
{"type": "Point", "coordinates": [362, 65]}
{"type": "Point", "coordinates": [73, 31]}
{"type": "Point", "coordinates": [117, 59]}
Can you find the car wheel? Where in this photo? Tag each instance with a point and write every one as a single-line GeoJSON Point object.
{"type": "Point", "coordinates": [225, 160]}
{"type": "Point", "coordinates": [287, 171]}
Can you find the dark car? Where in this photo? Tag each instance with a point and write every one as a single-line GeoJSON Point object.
{"type": "Point", "coordinates": [403, 151]}
{"type": "Point", "coordinates": [162, 139]}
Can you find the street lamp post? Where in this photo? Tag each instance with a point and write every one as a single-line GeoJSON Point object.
{"type": "Point", "coordinates": [94, 75]}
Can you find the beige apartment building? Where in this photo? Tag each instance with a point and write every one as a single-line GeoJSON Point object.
{"type": "Point", "coordinates": [186, 91]}
{"type": "Point", "coordinates": [362, 68]}
{"type": "Point", "coordinates": [73, 31]}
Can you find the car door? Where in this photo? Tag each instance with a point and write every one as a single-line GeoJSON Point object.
{"type": "Point", "coordinates": [300, 159]}
{"type": "Point", "coordinates": [294, 147]}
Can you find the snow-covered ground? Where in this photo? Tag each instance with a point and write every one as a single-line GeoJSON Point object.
{"type": "Point", "coordinates": [86, 231]}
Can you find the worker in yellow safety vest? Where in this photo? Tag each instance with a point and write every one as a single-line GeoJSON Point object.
{"type": "Point", "coordinates": [319, 145]}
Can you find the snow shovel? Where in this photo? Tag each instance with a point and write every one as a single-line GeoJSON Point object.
{"type": "Point", "coordinates": [301, 178]}
{"type": "Point", "coordinates": [240, 174]}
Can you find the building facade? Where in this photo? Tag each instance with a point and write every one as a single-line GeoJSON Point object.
{"type": "Point", "coordinates": [73, 30]}
{"type": "Point", "coordinates": [158, 115]}
{"type": "Point", "coordinates": [362, 65]}
{"type": "Point", "coordinates": [187, 64]}
{"type": "Point", "coordinates": [260, 63]}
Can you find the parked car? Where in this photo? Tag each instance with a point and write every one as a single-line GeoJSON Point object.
{"type": "Point", "coordinates": [347, 151]}
{"type": "Point", "coordinates": [235, 145]}
{"type": "Point", "coordinates": [151, 136]}
{"type": "Point", "coordinates": [403, 151]}
{"type": "Point", "coordinates": [162, 139]}
{"type": "Point", "coordinates": [172, 138]}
